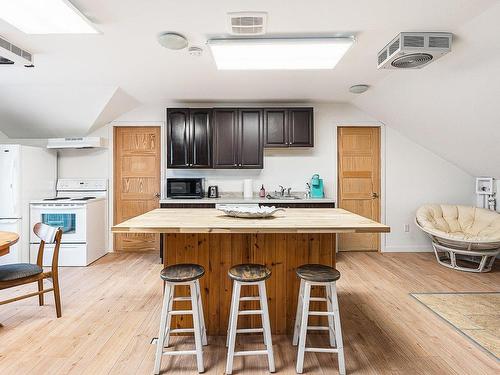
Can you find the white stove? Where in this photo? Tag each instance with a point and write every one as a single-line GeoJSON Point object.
{"type": "Point", "coordinates": [80, 209]}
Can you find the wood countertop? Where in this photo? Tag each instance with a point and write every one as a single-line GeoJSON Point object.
{"type": "Point", "coordinates": [208, 220]}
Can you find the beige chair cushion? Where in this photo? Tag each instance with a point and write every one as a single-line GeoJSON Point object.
{"type": "Point", "coordinates": [460, 222]}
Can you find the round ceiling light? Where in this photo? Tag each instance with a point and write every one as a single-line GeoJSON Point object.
{"type": "Point", "coordinates": [358, 89]}
{"type": "Point", "coordinates": [172, 41]}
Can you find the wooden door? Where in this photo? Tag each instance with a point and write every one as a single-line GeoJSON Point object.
{"type": "Point", "coordinates": [178, 138]}
{"type": "Point", "coordinates": [136, 171]}
{"type": "Point", "coordinates": [200, 138]}
{"type": "Point", "coordinates": [300, 128]}
{"type": "Point", "coordinates": [359, 182]}
{"type": "Point", "coordinates": [250, 144]}
{"type": "Point", "coordinates": [276, 127]}
{"type": "Point", "coordinates": [225, 125]}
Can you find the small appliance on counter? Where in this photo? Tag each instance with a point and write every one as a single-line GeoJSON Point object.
{"type": "Point", "coordinates": [185, 188]}
{"type": "Point", "coordinates": [213, 191]}
{"type": "Point", "coordinates": [317, 190]}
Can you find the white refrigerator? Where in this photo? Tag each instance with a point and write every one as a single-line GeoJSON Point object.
{"type": "Point", "coordinates": [26, 173]}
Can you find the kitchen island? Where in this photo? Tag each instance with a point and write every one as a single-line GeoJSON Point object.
{"type": "Point", "coordinates": [210, 238]}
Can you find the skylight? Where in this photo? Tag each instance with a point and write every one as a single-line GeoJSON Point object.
{"type": "Point", "coordinates": [275, 54]}
{"type": "Point", "coordinates": [45, 17]}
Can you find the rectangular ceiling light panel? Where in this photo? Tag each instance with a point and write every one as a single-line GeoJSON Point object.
{"type": "Point", "coordinates": [45, 17]}
{"type": "Point", "coordinates": [279, 54]}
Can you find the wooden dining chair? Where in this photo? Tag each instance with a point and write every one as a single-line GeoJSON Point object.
{"type": "Point", "coordinates": [12, 275]}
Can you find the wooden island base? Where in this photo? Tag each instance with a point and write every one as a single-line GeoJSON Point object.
{"type": "Point", "coordinates": [216, 252]}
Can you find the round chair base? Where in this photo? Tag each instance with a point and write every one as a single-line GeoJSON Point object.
{"type": "Point", "coordinates": [459, 259]}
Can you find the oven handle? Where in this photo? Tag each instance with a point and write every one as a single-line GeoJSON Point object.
{"type": "Point", "coordinates": [77, 206]}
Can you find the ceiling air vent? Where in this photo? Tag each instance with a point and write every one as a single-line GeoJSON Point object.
{"type": "Point", "coordinates": [247, 23]}
{"type": "Point", "coordinates": [13, 55]}
{"type": "Point", "coordinates": [414, 50]}
{"type": "Point", "coordinates": [414, 41]}
{"type": "Point", "coordinates": [393, 47]}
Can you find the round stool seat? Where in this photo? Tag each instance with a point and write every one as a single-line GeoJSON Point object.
{"type": "Point", "coordinates": [249, 272]}
{"type": "Point", "coordinates": [318, 273]}
{"type": "Point", "coordinates": [178, 273]}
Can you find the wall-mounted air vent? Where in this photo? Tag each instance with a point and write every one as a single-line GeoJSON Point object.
{"type": "Point", "coordinates": [13, 55]}
{"type": "Point", "coordinates": [413, 50]}
{"type": "Point", "coordinates": [247, 23]}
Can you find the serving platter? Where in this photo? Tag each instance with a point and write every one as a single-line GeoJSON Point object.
{"type": "Point", "coordinates": [249, 212]}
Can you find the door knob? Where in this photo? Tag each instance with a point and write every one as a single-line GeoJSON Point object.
{"type": "Point", "coordinates": [157, 195]}
{"type": "Point", "coordinates": [374, 195]}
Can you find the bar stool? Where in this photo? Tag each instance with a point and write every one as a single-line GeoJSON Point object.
{"type": "Point", "coordinates": [325, 276]}
{"type": "Point", "coordinates": [243, 275]}
{"type": "Point", "coordinates": [175, 275]}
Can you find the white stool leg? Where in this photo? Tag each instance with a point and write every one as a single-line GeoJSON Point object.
{"type": "Point", "coordinates": [303, 327]}
{"type": "Point", "coordinates": [197, 327]}
{"type": "Point", "coordinates": [200, 313]}
{"type": "Point", "coordinates": [266, 325]}
{"type": "Point", "coordinates": [331, 327]}
{"type": "Point", "coordinates": [161, 333]}
{"type": "Point", "coordinates": [166, 343]}
{"type": "Point", "coordinates": [338, 330]}
{"type": "Point", "coordinates": [232, 328]}
{"type": "Point", "coordinates": [231, 308]}
{"type": "Point", "coordinates": [298, 315]}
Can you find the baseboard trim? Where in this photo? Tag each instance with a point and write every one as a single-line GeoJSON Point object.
{"type": "Point", "coordinates": [408, 249]}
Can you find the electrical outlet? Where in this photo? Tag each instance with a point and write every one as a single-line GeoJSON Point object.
{"type": "Point", "coordinates": [407, 227]}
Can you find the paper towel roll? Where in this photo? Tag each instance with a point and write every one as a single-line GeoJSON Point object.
{"type": "Point", "coordinates": [247, 188]}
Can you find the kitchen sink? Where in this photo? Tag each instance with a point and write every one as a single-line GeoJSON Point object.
{"type": "Point", "coordinates": [284, 197]}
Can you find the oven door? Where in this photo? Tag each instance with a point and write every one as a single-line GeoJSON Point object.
{"type": "Point", "coordinates": [71, 218]}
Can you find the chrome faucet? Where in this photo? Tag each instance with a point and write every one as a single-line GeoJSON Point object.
{"type": "Point", "coordinates": [282, 190]}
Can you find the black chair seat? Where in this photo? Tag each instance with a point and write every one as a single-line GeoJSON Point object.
{"type": "Point", "coordinates": [178, 273]}
{"type": "Point", "coordinates": [17, 271]}
{"type": "Point", "coordinates": [249, 272]}
{"type": "Point", "coordinates": [318, 273]}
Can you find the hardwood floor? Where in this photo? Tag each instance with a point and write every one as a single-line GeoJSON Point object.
{"type": "Point", "coordinates": [111, 312]}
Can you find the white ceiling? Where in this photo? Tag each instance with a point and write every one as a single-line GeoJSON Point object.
{"type": "Point", "coordinates": [76, 76]}
{"type": "Point", "coordinates": [451, 106]}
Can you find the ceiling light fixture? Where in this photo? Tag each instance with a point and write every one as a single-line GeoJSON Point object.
{"type": "Point", "coordinates": [273, 54]}
{"type": "Point", "coordinates": [172, 40]}
{"type": "Point", "coordinates": [358, 89]}
{"type": "Point", "coordinates": [45, 17]}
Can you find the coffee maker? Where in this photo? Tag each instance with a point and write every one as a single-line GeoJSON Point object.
{"type": "Point", "coordinates": [317, 190]}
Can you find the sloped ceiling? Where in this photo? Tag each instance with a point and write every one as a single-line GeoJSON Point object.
{"type": "Point", "coordinates": [452, 106]}
{"type": "Point", "coordinates": [82, 81]}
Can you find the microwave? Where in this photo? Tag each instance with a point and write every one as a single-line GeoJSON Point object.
{"type": "Point", "coordinates": [186, 188]}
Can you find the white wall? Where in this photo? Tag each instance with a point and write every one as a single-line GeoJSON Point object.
{"type": "Point", "coordinates": [416, 176]}
{"type": "Point", "coordinates": [86, 163]}
{"type": "Point", "coordinates": [451, 105]}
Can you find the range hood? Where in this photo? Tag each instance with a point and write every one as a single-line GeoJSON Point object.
{"type": "Point", "coordinates": [76, 142]}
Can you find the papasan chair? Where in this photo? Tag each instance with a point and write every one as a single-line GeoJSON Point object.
{"type": "Point", "coordinates": [464, 238]}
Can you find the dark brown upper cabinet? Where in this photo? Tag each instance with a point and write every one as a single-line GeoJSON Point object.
{"type": "Point", "coordinates": [288, 127]}
{"type": "Point", "coordinates": [238, 138]}
{"type": "Point", "coordinates": [189, 138]}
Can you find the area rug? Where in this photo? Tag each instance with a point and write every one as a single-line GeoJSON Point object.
{"type": "Point", "coordinates": [476, 315]}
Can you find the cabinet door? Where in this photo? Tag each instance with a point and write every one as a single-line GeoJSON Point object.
{"type": "Point", "coordinates": [300, 127]}
{"type": "Point", "coordinates": [225, 126]}
{"type": "Point", "coordinates": [250, 138]}
{"type": "Point", "coordinates": [275, 127]}
{"type": "Point", "coordinates": [200, 138]}
{"type": "Point", "coordinates": [178, 138]}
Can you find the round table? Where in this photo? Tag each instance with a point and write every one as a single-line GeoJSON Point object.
{"type": "Point", "coordinates": [7, 239]}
